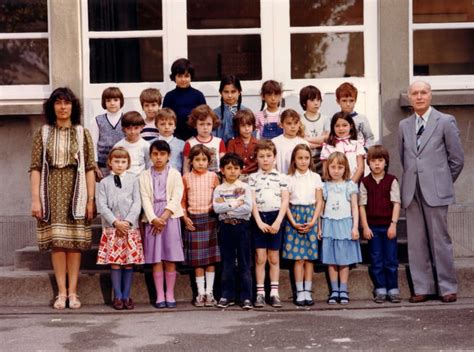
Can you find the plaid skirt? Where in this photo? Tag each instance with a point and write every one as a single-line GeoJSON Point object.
{"type": "Point", "coordinates": [119, 250]}
{"type": "Point", "coordinates": [201, 247]}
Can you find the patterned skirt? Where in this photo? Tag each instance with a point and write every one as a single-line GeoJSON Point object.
{"type": "Point", "coordinates": [120, 250]}
{"type": "Point", "coordinates": [201, 247]}
{"type": "Point", "coordinates": [62, 230]}
{"type": "Point", "coordinates": [296, 245]}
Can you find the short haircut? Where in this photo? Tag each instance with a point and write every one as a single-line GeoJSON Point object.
{"type": "Point", "coordinates": [200, 113]}
{"type": "Point", "coordinates": [150, 95]}
{"type": "Point", "coordinates": [378, 152]}
{"type": "Point", "coordinates": [231, 158]}
{"type": "Point", "coordinates": [346, 90]}
{"type": "Point", "coordinates": [309, 93]}
{"type": "Point", "coordinates": [265, 144]}
{"type": "Point", "coordinates": [292, 168]}
{"type": "Point", "coordinates": [199, 149]}
{"type": "Point", "coordinates": [292, 114]}
{"type": "Point", "coordinates": [243, 117]}
{"type": "Point", "coordinates": [111, 93]}
{"type": "Point", "coordinates": [62, 93]}
{"type": "Point", "coordinates": [161, 146]}
{"type": "Point", "coordinates": [340, 158]}
{"type": "Point", "coordinates": [118, 153]}
{"type": "Point", "coordinates": [181, 66]}
{"type": "Point", "coordinates": [132, 118]}
{"type": "Point", "coordinates": [165, 114]}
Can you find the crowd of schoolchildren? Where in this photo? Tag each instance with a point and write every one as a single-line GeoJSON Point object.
{"type": "Point", "coordinates": [188, 184]}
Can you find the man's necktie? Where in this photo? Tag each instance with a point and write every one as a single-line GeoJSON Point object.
{"type": "Point", "coordinates": [117, 181]}
{"type": "Point", "coordinates": [421, 129]}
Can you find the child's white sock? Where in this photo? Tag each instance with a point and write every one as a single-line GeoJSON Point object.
{"type": "Point", "coordinates": [210, 282]}
{"type": "Point", "coordinates": [274, 288]}
{"type": "Point", "coordinates": [200, 285]}
{"type": "Point", "coordinates": [261, 290]}
{"type": "Point", "coordinates": [307, 290]}
{"type": "Point", "coordinates": [299, 291]}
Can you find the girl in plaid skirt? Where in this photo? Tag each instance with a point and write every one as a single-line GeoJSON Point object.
{"type": "Point", "coordinates": [201, 249]}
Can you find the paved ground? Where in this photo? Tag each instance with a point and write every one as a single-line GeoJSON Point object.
{"type": "Point", "coordinates": [362, 326]}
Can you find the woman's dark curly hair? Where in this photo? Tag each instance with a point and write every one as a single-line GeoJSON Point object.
{"type": "Point", "coordinates": [62, 93]}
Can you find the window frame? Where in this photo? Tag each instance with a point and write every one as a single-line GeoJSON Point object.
{"type": "Point", "coordinates": [29, 91]}
{"type": "Point", "coordinates": [437, 82]}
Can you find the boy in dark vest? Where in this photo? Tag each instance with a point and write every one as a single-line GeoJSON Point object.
{"type": "Point", "coordinates": [379, 204]}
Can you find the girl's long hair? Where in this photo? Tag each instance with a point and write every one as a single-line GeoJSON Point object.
{"type": "Point", "coordinates": [292, 169]}
{"type": "Point", "coordinates": [292, 114]}
{"type": "Point", "coordinates": [332, 139]}
{"type": "Point", "coordinates": [230, 79]}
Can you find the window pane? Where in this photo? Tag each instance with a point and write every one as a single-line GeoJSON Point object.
{"type": "Point", "coordinates": [215, 56]}
{"type": "Point", "coordinates": [214, 14]}
{"type": "Point", "coordinates": [126, 60]}
{"type": "Point", "coordinates": [326, 55]}
{"type": "Point", "coordinates": [124, 15]}
{"type": "Point", "coordinates": [24, 61]}
{"type": "Point", "coordinates": [305, 13]}
{"type": "Point", "coordinates": [20, 16]}
{"type": "Point", "coordinates": [443, 11]}
{"type": "Point", "coordinates": [455, 58]}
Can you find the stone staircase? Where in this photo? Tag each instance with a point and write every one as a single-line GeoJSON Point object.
{"type": "Point", "coordinates": [31, 280]}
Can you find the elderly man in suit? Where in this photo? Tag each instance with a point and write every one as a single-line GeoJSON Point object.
{"type": "Point", "coordinates": [432, 159]}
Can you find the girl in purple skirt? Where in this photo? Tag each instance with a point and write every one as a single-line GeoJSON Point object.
{"type": "Point", "coordinates": [161, 191]}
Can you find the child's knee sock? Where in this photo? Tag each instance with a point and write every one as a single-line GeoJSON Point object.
{"type": "Point", "coordinates": [200, 285]}
{"type": "Point", "coordinates": [274, 288]}
{"type": "Point", "coordinates": [170, 278]}
{"type": "Point", "coordinates": [127, 279]}
{"type": "Point", "coordinates": [158, 280]}
{"type": "Point", "coordinates": [210, 282]}
{"type": "Point", "coordinates": [116, 277]}
{"type": "Point", "coordinates": [334, 286]}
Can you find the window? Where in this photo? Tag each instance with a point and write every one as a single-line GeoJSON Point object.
{"type": "Point", "coordinates": [442, 42]}
{"type": "Point", "coordinates": [24, 48]}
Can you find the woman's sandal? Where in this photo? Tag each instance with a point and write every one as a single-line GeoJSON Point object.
{"type": "Point", "coordinates": [60, 302]}
{"type": "Point", "coordinates": [333, 297]}
{"type": "Point", "coordinates": [344, 299]}
{"type": "Point", "coordinates": [74, 302]}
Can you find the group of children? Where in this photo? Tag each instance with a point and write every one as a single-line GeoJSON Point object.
{"type": "Point", "coordinates": [213, 186]}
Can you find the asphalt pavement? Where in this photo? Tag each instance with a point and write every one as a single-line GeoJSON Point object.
{"type": "Point", "coordinates": [363, 325]}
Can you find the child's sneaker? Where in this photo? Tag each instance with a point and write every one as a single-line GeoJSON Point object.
{"type": "Point", "coordinates": [379, 298]}
{"type": "Point", "coordinates": [224, 303]}
{"type": "Point", "coordinates": [247, 304]}
{"type": "Point", "coordinates": [210, 301]}
{"type": "Point", "coordinates": [260, 301]}
{"type": "Point", "coordinates": [276, 302]}
{"type": "Point", "coordinates": [394, 298]}
{"type": "Point", "coordinates": [200, 301]}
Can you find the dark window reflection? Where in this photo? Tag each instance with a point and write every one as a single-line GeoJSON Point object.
{"type": "Point", "coordinates": [327, 55]}
{"type": "Point", "coordinates": [22, 16]}
{"type": "Point", "coordinates": [443, 11]}
{"type": "Point", "coordinates": [124, 15]}
{"type": "Point", "coordinates": [215, 56]}
{"type": "Point", "coordinates": [305, 13]}
{"type": "Point", "coordinates": [223, 14]}
{"type": "Point", "coordinates": [455, 58]}
{"type": "Point", "coordinates": [24, 61]}
{"type": "Point", "coordinates": [126, 60]}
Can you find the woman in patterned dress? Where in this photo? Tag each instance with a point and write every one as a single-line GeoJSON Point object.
{"type": "Point", "coordinates": [62, 190]}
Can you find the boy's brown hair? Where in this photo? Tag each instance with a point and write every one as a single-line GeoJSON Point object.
{"type": "Point", "coordinates": [199, 149]}
{"type": "Point", "coordinates": [200, 113]}
{"type": "Point", "coordinates": [110, 93]}
{"type": "Point", "coordinates": [292, 114]}
{"type": "Point", "coordinates": [119, 153]}
{"type": "Point", "coordinates": [165, 114]}
{"type": "Point", "coordinates": [243, 117]}
{"type": "Point", "coordinates": [150, 95]}
{"type": "Point", "coordinates": [309, 93]}
{"type": "Point", "coordinates": [346, 90]}
{"type": "Point", "coordinates": [132, 118]}
{"type": "Point", "coordinates": [378, 152]}
{"type": "Point", "coordinates": [340, 158]}
{"type": "Point", "coordinates": [265, 144]}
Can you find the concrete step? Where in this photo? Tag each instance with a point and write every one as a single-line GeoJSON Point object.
{"type": "Point", "coordinates": [30, 258]}
{"type": "Point", "coordinates": [31, 288]}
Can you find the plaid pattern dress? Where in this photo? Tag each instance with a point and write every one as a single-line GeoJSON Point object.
{"type": "Point", "coordinates": [201, 247]}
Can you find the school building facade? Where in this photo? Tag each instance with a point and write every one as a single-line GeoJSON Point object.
{"type": "Point", "coordinates": [88, 45]}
